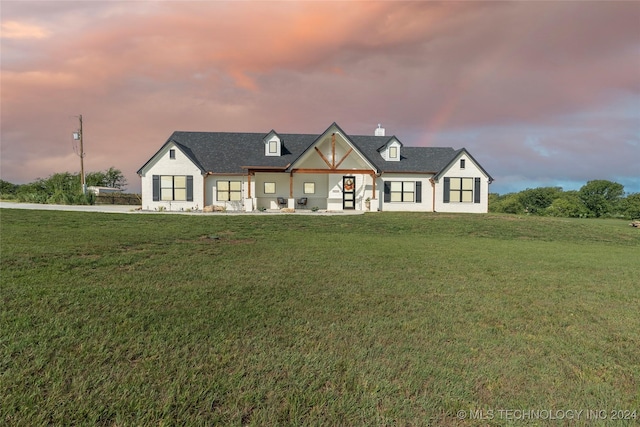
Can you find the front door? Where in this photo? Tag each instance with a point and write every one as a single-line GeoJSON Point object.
{"type": "Point", "coordinates": [348, 192]}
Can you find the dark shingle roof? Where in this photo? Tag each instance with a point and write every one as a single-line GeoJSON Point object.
{"type": "Point", "coordinates": [412, 159]}
{"type": "Point", "coordinates": [232, 152]}
{"type": "Point", "coordinates": [228, 152]}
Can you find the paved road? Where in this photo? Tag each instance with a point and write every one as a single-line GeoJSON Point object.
{"type": "Point", "coordinates": [78, 208]}
{"type": "Point", "coordinates": [131, 209]}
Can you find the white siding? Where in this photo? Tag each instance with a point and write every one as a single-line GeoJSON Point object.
{"type": "Point", "coordinates": [471, 170]}
{"type": "Point", "coordinates": [163, 165]}
{"type": "Point", "coordinates": [270, 201]}
{"type": "Point", "coordinates": [211, 191]}
{"type": "Point", "coordinates": [319, 197]}
{"type": "Point", "coordinates": [426, 204]}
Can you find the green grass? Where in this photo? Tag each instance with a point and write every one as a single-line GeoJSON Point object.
{"type": "Point", "coordinates": [378, 319]}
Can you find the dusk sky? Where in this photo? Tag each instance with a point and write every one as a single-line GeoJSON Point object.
{"type": "Point", "coordinates": [541, 93]}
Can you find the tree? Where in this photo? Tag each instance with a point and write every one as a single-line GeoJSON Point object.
{"type": "Point", "coordinates": [96, 179]}
{"type": "Point", "coordinates": [114, 178]}
{"type": "Point", "coordinates": [7, 187]}
{"type": "Point", "coordinates": [601, 197]}
{"type": "Point", "coordinates": [568, 204]}
{"type": "Point", "coordinates": [536, 200]}
{"type": "Point", "coordinates": [508, 203]}
{"type": "Point", "coordinates": [630, 206]}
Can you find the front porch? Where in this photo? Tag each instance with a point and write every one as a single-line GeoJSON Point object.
{"type": "Point", "coordinates": [315, 191]}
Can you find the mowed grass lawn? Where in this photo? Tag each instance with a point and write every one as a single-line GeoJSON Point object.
{"type": "Point", "coordinates": [377, 319]}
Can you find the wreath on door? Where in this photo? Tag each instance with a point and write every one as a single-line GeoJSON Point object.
{"type": "Point", "coordinates": [348, 185]}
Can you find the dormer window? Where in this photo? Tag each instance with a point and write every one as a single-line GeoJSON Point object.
{"type": "Point", "coordinates": [273, 147]}
{"type": "Point", "coordinates": [391, 150]}
{"type": "Point", "coordinates": [272, 144]}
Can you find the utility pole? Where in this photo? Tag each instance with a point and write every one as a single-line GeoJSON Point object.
{"type": "Point", "coordinates": [78, 136]}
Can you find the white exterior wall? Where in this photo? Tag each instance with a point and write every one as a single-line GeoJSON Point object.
{"type": "Point", "coordinates": [317, 199]}
{"type": "Point", "coordinates": [363, 190]}
{"type": "Point", "coordinates": [426, 205]}
{"type": "Point", "coordinates": [471, 170]}
{"type": "Point", "coordinates": [211, 189]}
{"type": "Point", "coordinates": [270, 201]}
{"type": "Point", "coordinates": [163, 165]}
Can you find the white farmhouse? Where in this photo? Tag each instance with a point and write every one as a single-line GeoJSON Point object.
{"type": "Point", "coordinates": [330, 171]}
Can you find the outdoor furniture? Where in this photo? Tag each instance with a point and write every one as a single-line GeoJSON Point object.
{"type": "Point", "coordinates": [302, 202]}
{"type": "Point", "coordinates": [282, 201]}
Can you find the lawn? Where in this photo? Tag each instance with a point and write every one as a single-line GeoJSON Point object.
{"type": "Point", "coordinates": [376, 319]}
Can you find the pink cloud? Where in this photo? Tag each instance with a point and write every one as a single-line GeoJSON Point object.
{"type": "Point", "coordinates": [139, 70]}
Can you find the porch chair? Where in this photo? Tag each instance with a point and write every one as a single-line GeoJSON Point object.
{"type": "Point", "coordinates": [302, 202]}
{"type": "Point", "coordinates": [282, 202]}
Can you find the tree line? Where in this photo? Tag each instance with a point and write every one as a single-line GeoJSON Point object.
{"type": "Point", "coordinates": [63, 188]}
{"type": "Point", "coordinates": [596, 199]}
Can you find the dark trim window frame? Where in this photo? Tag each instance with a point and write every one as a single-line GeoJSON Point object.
{"type": "Point", "coordinates": [172, 188]}
{"type": "Point", "coordinates": [461, 190]}
{"type": "Point", "coordinates": [172, 154]}
{"type": "Point", "coordinates": [403, 191]}
{"type": "Point", "coordinates": [228, 191]}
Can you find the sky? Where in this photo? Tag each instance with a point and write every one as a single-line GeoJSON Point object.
{"type": "Point", "coordinates": [541, 93]}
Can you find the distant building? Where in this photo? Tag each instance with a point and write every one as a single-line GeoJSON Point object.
{"type": "Point", "coordinates": [103, 190]}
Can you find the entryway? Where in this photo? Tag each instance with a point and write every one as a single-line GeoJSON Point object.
{"type": "Point", "coordinates": [348, 192]}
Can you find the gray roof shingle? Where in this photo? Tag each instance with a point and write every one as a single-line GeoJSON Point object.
{"type": "Point", "coordinates": [232, 152]}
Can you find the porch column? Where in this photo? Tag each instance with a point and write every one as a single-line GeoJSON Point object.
{"type": "Point", "coordinates": [291, 185]}
{"type": "Point", "coordinates": [291, 202]}
{"type": "Point", "coordinates": [373, 189]}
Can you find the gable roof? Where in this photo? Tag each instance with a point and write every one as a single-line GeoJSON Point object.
{"type": "Point", "coordinates": [458, 153]}
{"type": "Point", "coordinates": [235, 152]}
{"type": "Point", "coordinates": [348, 139]}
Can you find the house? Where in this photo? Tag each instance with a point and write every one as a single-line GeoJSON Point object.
{"type": "Point", "coordinates": [332, 170]}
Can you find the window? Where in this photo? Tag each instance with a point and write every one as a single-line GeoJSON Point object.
{"type": "Point", "coordinates": [172, 154]}
{"type": "Point", "coordinates": [393, 152]}
{"type": "Point", "coordinates": [403, 191]}
{"type": "Point", "coordinates": [172, 188]}
{"type": "Point", "coordinates": [269, 188]}
{"type": "Point", "coordinates": [309, 188]}
{"type": "Point", "coordinates": [462, 190]}
{"type": "Point", "coordinates": [462, 161]}
{"type": "Point", "coordinates": [273, 146]}
{"type": "Point", "coordinates": [229, 191]}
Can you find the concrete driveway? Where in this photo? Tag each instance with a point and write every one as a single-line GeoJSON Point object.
{"type": "Point", "coordinates": [77, 208]}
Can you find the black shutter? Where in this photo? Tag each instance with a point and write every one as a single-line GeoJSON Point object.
{"type": "Point", "coordinates": [156, 188]}
{"type": "Point", "coordinates": [189, 188]}
{"type": "Point", "coordinates": [447, 190]}
{"type": "Point", "coordinates": [418, 191]}
{"type": "Point", "coordinates": [476, 191]}
{"type": "Point", "coordinates": [387, 192]}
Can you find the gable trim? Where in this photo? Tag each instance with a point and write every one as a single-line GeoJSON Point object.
{"type": "Point", "coordinates": [179, 147]}
{"type": "Point", "coordinates": [455, 159]}
{"type": "Point", "coordinates": [350, 143]}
